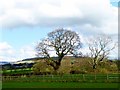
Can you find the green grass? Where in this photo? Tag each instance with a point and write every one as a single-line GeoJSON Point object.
{"type": "Point", "coordinates": [58, 85]}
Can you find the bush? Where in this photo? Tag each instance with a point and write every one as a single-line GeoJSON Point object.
{"type": "Point", "coordinates": [42, 68]}
{"type": "Point", "coordinates": [104, 71]}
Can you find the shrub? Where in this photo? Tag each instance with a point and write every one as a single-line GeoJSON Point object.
{"type": "Point", "coordinates": [104, 71]}
{"type": "Point", "coordinates": [42, 68]}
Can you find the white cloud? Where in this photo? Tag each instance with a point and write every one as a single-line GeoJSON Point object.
{"type": "Point", "coordinates": [6, 52]}
{"type": "Point", "coordinates": [10, 54]}
{"type": "Point", "coordinates": [5, 48]}
{"type": "Point", "coordinates": [27, 52]}
{"type": "Point", "coordinates": [9, 58]}
{"type": "Point", "coordinates": [17, 13]}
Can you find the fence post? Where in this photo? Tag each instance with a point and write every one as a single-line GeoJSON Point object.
{"type": "Point", "coordinates": [107, 77]}
{"type": "Point", "coordinates": [83, 77]}
{"type": "Point", "coordinates": [43, 77]}
{"type": "Point", "coordinates": [95, 76]}
{"type": "Point", "coordinates": [3, 78]}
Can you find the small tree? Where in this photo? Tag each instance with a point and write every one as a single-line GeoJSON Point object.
{"type": "Point", "coordinates": [100, 47]}
{"type": "Point", "coordinates": [60, 41]}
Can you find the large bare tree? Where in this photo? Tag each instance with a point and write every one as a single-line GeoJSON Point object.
{"type": "Point", "coordinates": [100, 47]}
{"type": "Point", "coordinates": [60, 41]}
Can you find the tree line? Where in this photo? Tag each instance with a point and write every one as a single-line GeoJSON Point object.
{"type": "Point", "coordinates": [62, 42]}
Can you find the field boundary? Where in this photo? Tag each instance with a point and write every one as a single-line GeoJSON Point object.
{"type": "Point", "coordinates": [65, 78]}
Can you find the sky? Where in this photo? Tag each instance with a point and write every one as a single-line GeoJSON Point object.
{"type": "Point", "coordinates": [24, 22]}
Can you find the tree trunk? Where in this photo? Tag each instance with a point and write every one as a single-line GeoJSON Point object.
{"type": "Point", "coordinates": [94, 66]}
{"type": "Point", "coordinates": [57, 65]}
{"type": "Point", "coordinates": [95, 63]}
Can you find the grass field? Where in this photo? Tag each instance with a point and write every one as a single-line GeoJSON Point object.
{"type": "Point", "coordinates": [58, 85]}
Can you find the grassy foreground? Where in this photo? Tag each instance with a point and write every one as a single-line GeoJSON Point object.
{"type": "Point", "coordinates": [57, 85]}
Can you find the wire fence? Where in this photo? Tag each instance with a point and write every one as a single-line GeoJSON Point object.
{"type": "Point", "coordinates": [65, 78]}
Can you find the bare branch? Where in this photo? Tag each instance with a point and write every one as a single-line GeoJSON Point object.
{"type": "Point", "coordinates": [100, 48]}
{"type": "Point", "coordinates": [62, 41]}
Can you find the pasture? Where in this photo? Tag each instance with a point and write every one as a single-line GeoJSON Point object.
{"type": "Point", "coordinates": [58, 85]}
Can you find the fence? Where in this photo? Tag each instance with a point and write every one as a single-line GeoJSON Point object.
{"type": "Point", "coordinates": [65, 78]}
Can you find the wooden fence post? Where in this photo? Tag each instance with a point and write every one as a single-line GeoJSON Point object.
{"type": "Point", "coordinates": [95, 76]}
{"type": "Point", "coordinates": [107, 77]}
{"type": "Point", "coordinates": [83, 77]}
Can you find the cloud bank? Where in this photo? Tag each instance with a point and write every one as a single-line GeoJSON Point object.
{"type": "Point", "coordinates": [8, 53]}
{"type": "Point", "coordinates": [44, 13]}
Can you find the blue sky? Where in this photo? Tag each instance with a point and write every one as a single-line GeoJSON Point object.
{"type": "Point", "coordinates": [23, 36]}
{"type": "Point", "coordinates": [114, 2]}
{"type": "Point", "coordinates": [23, 23]}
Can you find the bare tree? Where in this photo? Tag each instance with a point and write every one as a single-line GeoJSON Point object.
{"type": "Point", "coordinates": [100, 47]}
{"type": "Point", "coordinates": [62, 42]}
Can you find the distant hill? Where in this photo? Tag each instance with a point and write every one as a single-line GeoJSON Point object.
{"type": "Point", "coordinates": [40, 58]}
{"type": "Point", "coordinates": [3, 63]}
{"type": "Point", "coordinates": [35, 58]}
{"type": "Point", "coordinates": [32, 59]}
